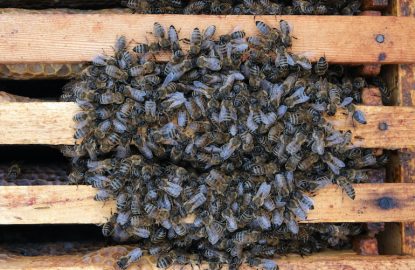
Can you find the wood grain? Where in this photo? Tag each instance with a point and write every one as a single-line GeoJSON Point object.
{"type": "Point", "coordinates": [51, 123]}
{"type": "Point", "coordinates": [37, 123]}
{"type": "Point", "coordinates": [52, 205]}
{"type": "Point", "coordinates": [75, 205]}
{"type": "Point", "coordinates": [404, 165]}
{"type": "Point", "coordinates": [400, 132]}
{"type": "Point", "coordinates": [73, 38]}
{"type": "Point", "coordinates": [105, 259]}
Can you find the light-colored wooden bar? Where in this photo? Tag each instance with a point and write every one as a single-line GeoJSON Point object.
{"type": "Point", "coordinates": [51, 123]}
{"type": "Point", "coordinates": [105, 259]}
{"type": "Point", "coordinates": [74, 38]}
{"type": "Point", "coordinates": [75, 205]}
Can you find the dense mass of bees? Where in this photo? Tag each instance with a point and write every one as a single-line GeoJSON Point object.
{"type": "Point", "coordinates": [240, 7]}
{"type": "Point", "coordinates": [217, 151]}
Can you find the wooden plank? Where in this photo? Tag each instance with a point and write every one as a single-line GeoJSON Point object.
{"type": "Point", "coordinates": [404, 163]}
{"type": "Point", "coordinates": [67, 205]}
{"type": "Point", "coordinates": [51, 123]}
{"type": "Point", "coordinates": [73, 38]}
{"type": "Point", "coordinates": [51, 205]}
{"type": "Point", "coordinates": [105, 258]}
{"type": "Point", "coordinates": [37, 123]}
{"type": "Point", "coordinates": [400, 122]}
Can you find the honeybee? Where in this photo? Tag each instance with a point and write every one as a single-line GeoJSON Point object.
{"type": "Point", "coordinates": [321, 66]}
{"type": "Point", "coordinates": [13, 172]}
{"type": "Point", "coordinates": [133, 256]}
{"type": "Point", "coordinates": [160, 34]}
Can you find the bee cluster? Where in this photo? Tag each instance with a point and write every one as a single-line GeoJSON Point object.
{"type": "Point", "coordinates": [254, 7]}
{"type": "Point", "coordinates": [216, 152]}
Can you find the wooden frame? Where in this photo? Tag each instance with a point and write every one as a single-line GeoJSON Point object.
{"type": "Point", "coordinates": [341, 39]}
{"type": "Point", "coordinates": [34, 38]}
{"type": "Point", "coordinates": [51, 123]}
{"type": "Point", "coordinates": [63, 204]}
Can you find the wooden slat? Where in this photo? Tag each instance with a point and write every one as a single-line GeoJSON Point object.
{"type": "Point", "coordinates": [106, 259]}
{"type": "Point", "coordinates": [400, 132]}
{"type": "Point", "coordinates": [49, 38]}
{"type": "Point", "coordinates": [37, 123]}
{"type": "Point", "coordinates": [403, 80]}
{"type": "Point", "coordinates": [71, 204]}
{"type": "Point", "coordinates": [51, 123]}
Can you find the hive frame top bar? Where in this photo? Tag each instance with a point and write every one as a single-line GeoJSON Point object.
{"type": "Point", "coordinates": [73, 38]}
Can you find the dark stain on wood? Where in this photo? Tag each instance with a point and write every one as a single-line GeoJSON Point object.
{"type": "Point", "coordinates": [387, 203]}
{"type": "Point", "coordinates": [382, 56]}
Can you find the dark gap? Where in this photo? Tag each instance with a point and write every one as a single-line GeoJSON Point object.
{"type": "Point", "coordinates": [40, 89]}
{"type": "Point", "coordinates": [40, 240]}
{"type": "Point", "coordinates": [49, 233]}
{"type": "Point", "coordinates": [389, 240]}
{"type": "Point", "coordinates": [37, 154]}
{"type": "Point", "coordinates": [42, 4]}
{"type": "Point", "coordinates": [32, 165]}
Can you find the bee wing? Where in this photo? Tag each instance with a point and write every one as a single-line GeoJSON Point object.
{"type": "Point", "coordinates": [290, 59]}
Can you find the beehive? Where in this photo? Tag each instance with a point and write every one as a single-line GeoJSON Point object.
{"type": "Point", "coordinates": [75, 38]}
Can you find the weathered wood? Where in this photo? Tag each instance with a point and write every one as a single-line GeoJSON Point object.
{"type": "Point", "coordinates": [375, 4]}
{"type": "Point", "coordinates": [37, 123]}
{"type": "Point", "coordinates": [105, 259]}
{"type": "Point", "coordinates": [74, 38]}
{"type": "Point", "coordinates": [369, 69]}
{"type": "Point", "coordinates": [51, 123]}
{"type": "Point", "coordinates": [400, 127]}
{"type": "Point", "coordinates": [71, 204]}
{"type": "Point", "coordinates": [404, 163]}
{"type": "Point", "coordinates": [52, 205]}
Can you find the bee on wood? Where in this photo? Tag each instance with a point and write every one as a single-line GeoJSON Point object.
{"type": "Point", "coordinates": [133, 256]}
{"type": "Point", "coordinates": [160, 34]}
{"type": "Point", "coordinates": [321, 66]}
{"type": "Point", "coordinates": [195, 42]}
{"type": "Point", "coordinates": [346, 186]}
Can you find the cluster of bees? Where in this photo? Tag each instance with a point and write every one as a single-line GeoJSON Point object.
{"type": "Point", "coordinates": [254, 7]}
{"type": "Point", "coordinates": [217, 151]}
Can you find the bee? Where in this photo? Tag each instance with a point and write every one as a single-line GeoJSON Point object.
{"type": "Point", "coordinates": [293, 162]}
{"type": "Point", "coordinates": [231, 222]}
{"type": "Point", "coordinates": [108, 228]}
{"type": "Point", "coordinates": [318, 142]}
{"type": "Point", "coordinates": [346, 186]}
{"type": "Point", "coordinates": [295, 145]}
{"type": "Point", "coordinates": [309, 161]}
{"type": "Point", "coordinates": [133, 256]}
{"type": "Point", "coordinates": [116, 73]}
{"type": "Point", "coordinates": [166, 260]}
{"type": "Point", "coordinates": [209, 63]}
{"type": "Point", "coordinates": [13, 172]}
{"type": "Point", "coordinates": [102, 195]}
{"type": "Point", "coordinates": [160, 34]}
{"type": "Point", "coordinates": [266, 169]}
{"type": "Point", "coordinates": [296, 98]}
{"type": "Point", "coordinates": [195, 7]}
{"type": "Point", "coordinates": [334, 163]}
{"type": "Point", "coordinates": [137, 5]}
{"type": "Point", "coordinates": [74, 177]}
{"type": "Point", "coordinates": [195, 42]}
{"type": "Point", "coordinates": [285, 33]}
{"type": "Point", "coordinates": [141, 48]}
{"type": "Point", "coordinates": [173, 38]}
{"type": "Point", "coordinates": [321, 66]}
